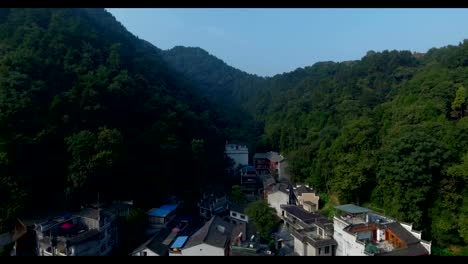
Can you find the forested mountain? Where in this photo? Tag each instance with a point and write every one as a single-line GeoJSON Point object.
{"type": "Point", "coordinates": [388, 131]}
{"type": "Point", "coordinates": [230, 89]}
{"type": "Point", "coordinates": [86, 108]}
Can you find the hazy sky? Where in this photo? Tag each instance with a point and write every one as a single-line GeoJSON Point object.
{"type": "Point", "coordinates": [269, 41]}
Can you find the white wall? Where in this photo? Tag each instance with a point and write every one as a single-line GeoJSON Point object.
{"type": "Point", "coordinates": [299, 247]}
{"type": "Point", "coordinates": [276, 199]}
{"type": "Point", "coordinates": [203, 250]}
{"type": "Point", "coordinates": [309, 197]}
{"type": "Point", "coordinates": [347, 244]}
{"type": "Point", "coordinates": [240, 155]}
{"type": "Point", "coordinates": [148, 253]}
{"type": "Point", "coordinates": [238, 216]}
{"type": "Point", "coordinates": [311, 251]}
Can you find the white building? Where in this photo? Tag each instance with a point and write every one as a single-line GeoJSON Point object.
{"type": "Point", "coordinates": [237, 214]}
{"type": "Point", "coordinates": [279, 195]}
{"type": "Point", "coordinates": [238, 152]}
{"type": "Point", "coordinates": [307, 198]}
{"type": "Point", "coordinates": [312, 232]}
{"type": "Point", "coordinates": [152, 247]}
{"type": "Point", "coordinates": [213, 239]}
{"type": "Point", "coordinates": [361, 232]}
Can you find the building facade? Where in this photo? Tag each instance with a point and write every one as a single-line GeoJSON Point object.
{"type": "Point", "coordinates": [238, 152]}
{"type": "Point", "coordinates": [91, 232]}
{"type": "Point", "coordinates": [361, 232]}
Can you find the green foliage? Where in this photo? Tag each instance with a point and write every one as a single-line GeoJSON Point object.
{"type": "Point", "coordinates": [459, 103]}
{"type": "Point", "coordinates": [264, 218]}
{"type": "Point", "coordinates": [88, 108]}
{"type": "Point", "coordinates": [237, 196]}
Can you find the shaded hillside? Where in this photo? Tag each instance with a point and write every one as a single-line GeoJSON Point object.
{"type": "Point", "coordinates": [86, 108]}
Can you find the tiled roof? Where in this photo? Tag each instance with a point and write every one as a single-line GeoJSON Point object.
{"type": "Point", "coordinates": [303, 189]}
{"type": "Point", "coordinates": [210, 234]}
{"type": "Point", "coordinates": [402, 233]}
{"type": "Point", "coordinates": [412, 250]}
{"type": "Point", "coordinates": [302, 214]}
{"type": "Point", "coordinates": [272, 156]}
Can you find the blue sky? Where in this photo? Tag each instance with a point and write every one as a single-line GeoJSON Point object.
{"type": "Point", "coordinates": [268, 41]}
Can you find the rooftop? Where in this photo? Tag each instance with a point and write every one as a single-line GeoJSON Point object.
{"type": "Point", "coordinates": [303, 215]}
{"type": "Point", "coordinates": [352, 209]}
{"type": "Point", "coordinates": [272, 156]}
{"type": "Point", "coordinates": [402, 233]}
{"type": "Point", "coordinates": [154, 244]}
{"type": "Point", "coordinates": [280, 187]}
{"type": "Point", "coordinates": [303, 189]}
{"type": "Point", "coordinates": [215, 232]}
{"type": "Point", "coordinates": [179, 242]}
{"type": "Point", "coordinates": [162, 211]}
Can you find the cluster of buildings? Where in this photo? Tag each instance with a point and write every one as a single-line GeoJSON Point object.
{"type": "Point", "coordinates": [224, 228]}
{"type": "Point", "coordinates": [354, 230]}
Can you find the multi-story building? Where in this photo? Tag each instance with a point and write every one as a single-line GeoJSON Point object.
{"type": "Point", "coordinates": [213, 239]}
{"type": "Point", "coordinates": [90, 232]}
{"type": "Point", "coordinates": [212, 204]}
{"type": "Point", "coordinates": [267, 163]}
{"type": "Point", "coordinates": [248, 181]}
{"type": "Point", "coordinates": [306, 197]}
{"type": "Point", "coordinates": [361, 232]}
{"type": "Point", "coordinates": [312, 232]}
{"type": "Point", "coordinates": [238, 152]}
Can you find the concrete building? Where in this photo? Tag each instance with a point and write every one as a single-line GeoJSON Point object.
{"type": "Point", "coordinates": [283, 171]}
{"type": "Point", "coordinates": [307, 198]}
{"type": "Point", "coordinates": [213, 239]}
{"type": "Point", "coordinates": [249, 181]}
{"type": "Point", "coordinates": [312, 232]}
{"type": "Point", "coordinates": [237, 213]}
{"type": "Point", "coordinates": [267, 163]}
{"type": "Point", "coordinates": [279, 195]}
{"type": "Point", "coordinates": [361, 232]}
{"type": "Point", "coordinates": [212, 203]}
{"type": "Point", "coordinates": [238, 152]}
{"type": "Point", "coordinates": [152, 247]}
{"type": "Point", "coordinates": [90, 232]}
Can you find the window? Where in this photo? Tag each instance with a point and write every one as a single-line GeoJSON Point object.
{"type": "Point", "coordinates": [320, 251]}
{"type": "Point", "coordinates": [327, 250]}
{"type": "Point", "coordinates": [144, 253]}
{"type": "Point", "coordinates": [242, 216]}
{"type": "Point", "coordinates": [234, 214]}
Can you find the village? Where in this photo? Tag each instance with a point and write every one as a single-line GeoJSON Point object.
{"type": "Point", "coordinates": [222, 227]}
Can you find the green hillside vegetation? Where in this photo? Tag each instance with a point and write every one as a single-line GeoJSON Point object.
{"type": "Point", "coordinates": [88, 108]}
{"type": "Point", "coordinates": [389, 130]}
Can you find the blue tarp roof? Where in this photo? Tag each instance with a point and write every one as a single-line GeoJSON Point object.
{"type": "Point", "coordinates": [179, 242]}
{"type": "Point", "coordinates": [158, 212]}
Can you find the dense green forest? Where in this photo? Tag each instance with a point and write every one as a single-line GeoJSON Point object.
{"type": "Point", "coordinates": [87, 108]}
{"type": "Point", "coordinates": [388, 131]}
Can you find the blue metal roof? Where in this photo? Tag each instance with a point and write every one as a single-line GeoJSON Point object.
{"type": "Point", "coordinates": [169, 207]}
{"type": "Point", "coordinates": [158, 212]}
{"type": "Point", "coordinates": [179, 242]}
